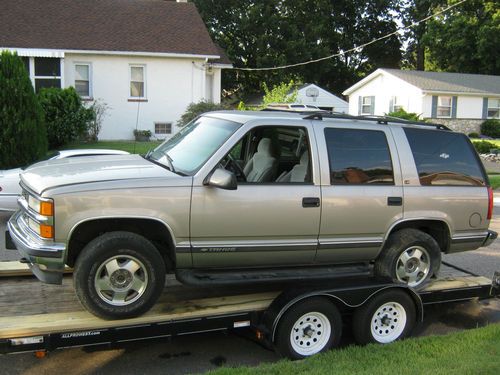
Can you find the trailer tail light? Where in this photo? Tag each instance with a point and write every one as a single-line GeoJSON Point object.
{"type": "Point", "coordinates": [490, 203]}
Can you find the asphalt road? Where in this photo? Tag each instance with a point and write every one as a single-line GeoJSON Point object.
{"type": "Point", "coordinates": [203, 352]}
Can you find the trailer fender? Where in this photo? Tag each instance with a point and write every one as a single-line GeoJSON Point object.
{"type": "Point", "coordinates": [344, 299]}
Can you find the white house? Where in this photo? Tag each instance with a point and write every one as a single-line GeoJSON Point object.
{"type": "Point", "coordinates": [460, 101]}
{"type": "Point", "coordinates": [311, 94]}
{"type": "Point", "coordinates": [147, 60]}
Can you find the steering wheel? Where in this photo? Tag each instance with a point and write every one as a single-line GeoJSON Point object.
{"type": "Point", "coordinates": [234, 164]}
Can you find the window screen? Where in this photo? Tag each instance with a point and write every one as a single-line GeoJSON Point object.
{"type": "Point", "coordinates": [444, 158]}
{"type": "Point", "coordinates": [358, 157]}
{"type": "Point", "coordinates": [47, 67]}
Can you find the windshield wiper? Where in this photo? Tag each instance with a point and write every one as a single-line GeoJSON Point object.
{"type": "Point", "coordinates": [170, 162]}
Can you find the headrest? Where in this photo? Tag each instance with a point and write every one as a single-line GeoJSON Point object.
{"type": "Point", "coordinates": [264, 146]}
{"type": "Point", "coordinates": [304, 159]}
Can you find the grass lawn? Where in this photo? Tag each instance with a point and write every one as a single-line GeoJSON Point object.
{"type": "Point", "coordinates": [494, 141]}
{"type": "Point", "coordinates": [494, 180]}
{"type": "Point", "coordinates": [129, 146]}
{"type": "Point", "coordinates": [476, 351]}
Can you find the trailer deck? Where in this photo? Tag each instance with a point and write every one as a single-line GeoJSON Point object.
{"type": "Point", "coordinates": [36, 316]}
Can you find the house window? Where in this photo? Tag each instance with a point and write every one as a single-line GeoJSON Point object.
{"type": "Point", "coordinates": [47, 72]}
{"type": "Point", "coordinates": [395, 104]}
{"type": "Point", "coordinates": [444, 106]}
{"type": "Point", "coordinates": [493, 108]}
{"type": "Point", "coordinates": [162, 128]}
{"type": "Point", "coordinates": [82, 80]}
{"type": "Point", "coordinates": [138, 81]}
{"type": "Point", "coordinates": [367, 105]}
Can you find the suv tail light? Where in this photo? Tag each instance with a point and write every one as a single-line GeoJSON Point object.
{"type": "Point", "coordinates": [490, 203]}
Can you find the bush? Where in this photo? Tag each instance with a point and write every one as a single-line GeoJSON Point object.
{"type": "Point", "coordinates": [98, 111]}
{"type": "Point", "coordinates": [484, 147]}
{"type": "Point", "coordinates": [491, 128]}
{"type": "Point", "coordinates": [473, 135]}
{"type": "Point", "coordinates": [66, 117]}
{"type": "Point", "coordinates": [23, 138]}
{"type": "Point", "coordinates": [195, 109]}
{"type": "Point", "coordinates": [401, 113]}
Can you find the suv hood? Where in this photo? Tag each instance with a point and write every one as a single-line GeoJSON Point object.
{"type": "Point", "coordinates": [70, 171]}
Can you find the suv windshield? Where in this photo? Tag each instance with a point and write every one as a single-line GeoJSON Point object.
{"type": "Point", "coordinates": [193, 145]}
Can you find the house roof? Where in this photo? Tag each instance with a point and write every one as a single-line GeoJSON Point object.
{"type": "Point", "coordinates": [149, 26]}
{"type": "Point", "coordinates": [439, 82]}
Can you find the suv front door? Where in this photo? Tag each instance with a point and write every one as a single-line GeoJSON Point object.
{"type": "Point", "coordinates": [262, 222]}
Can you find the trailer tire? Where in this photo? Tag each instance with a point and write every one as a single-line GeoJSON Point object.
{"type": "Point", "coordinates": [119, 275]}
{"type": "Point", "coordinates": [410, 256]}
{"type": "Point", "coordinates": [310, 326]}
{"type": "Point", "coordinates": [388, 316]}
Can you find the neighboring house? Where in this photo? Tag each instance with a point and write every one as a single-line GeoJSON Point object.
{"type": "Point", "coordinates": [147, 60]}
{"type": "Point", "coordinates": [311, 94]}
{"type": "Point", "coordinates": [461, 101]}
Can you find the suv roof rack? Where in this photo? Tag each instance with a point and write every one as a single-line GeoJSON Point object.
{"type": "Point", "coordinates": [379, 119]}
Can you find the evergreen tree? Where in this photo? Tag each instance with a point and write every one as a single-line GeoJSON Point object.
{"type": "Point", "coordinates": [23, 137]}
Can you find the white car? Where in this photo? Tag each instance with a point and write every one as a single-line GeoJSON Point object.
{"type": "Point", "coordinates": [9, 179]}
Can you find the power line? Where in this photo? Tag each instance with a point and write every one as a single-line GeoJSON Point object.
{"type": "Point", "coordinates": [358, 47]}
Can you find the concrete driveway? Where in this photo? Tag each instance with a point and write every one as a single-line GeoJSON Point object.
{"type": "Point", "coordinates": [202, 352]}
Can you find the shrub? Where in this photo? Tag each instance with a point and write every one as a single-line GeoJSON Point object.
{"type": "Point", "coordinates": [473, 135]}
{"type": "Point", "coordinates": [484, 147]}
{"type": "Point", "coordinates": [491, 128]}
{"type": "Point", "coordinates": [66, 117]}
{"type": "Point", "coordinates": [98, 111]}
{"type": "Point", "coordinates": [282, 93]}
{"type": "Point", "coordinates": [195, 109]}
{"type": "Point", "coordinates": [401, 113]}
{"type": "Point", "coordinates": [23, 138]}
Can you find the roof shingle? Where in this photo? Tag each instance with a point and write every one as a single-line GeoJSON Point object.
{"type": "Point", "coordinates": [152, 26]}
{"type": "Point", "coordinates": [449, 82]}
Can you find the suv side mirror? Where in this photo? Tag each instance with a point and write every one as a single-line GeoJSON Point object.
{"type": "Point", "coordinates": [222, 179]}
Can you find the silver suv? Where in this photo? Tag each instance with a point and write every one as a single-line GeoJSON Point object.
{"type": "Point", "coordinates": [255, 196]}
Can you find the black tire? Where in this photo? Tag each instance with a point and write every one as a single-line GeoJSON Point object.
{"type": "Point", "coordinates": [318, 307]}
{"type": "Point", "coordinates": [386, 327]}
{"type": "Point", "coordinates": [388, 262]}
{"type": "Point", "coordinates": [113, 248]}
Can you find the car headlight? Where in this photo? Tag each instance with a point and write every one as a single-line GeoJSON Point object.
{"type": "Point", "coordinates": [45, 207]}
{"type": "Point", "coordinates": [43, 223]}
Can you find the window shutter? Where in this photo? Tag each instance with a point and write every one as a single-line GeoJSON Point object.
{"type": "Point", "coordinates": [454, 100]}
{"type": "Point", "coordinates": [391, 105]}
{"type": "Point", "coordinates": [372, 105]}
{"type": "Point", "coordinates": [360, 103]}
{"type": "Point", "coordinates": [485, 108]}
{"type": "Point", "coordinates": [434, 106]}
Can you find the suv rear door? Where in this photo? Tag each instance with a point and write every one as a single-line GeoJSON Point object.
{"type": "Point", "coordinates": [361, 190]}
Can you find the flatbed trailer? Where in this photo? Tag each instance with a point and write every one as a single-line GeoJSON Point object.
{"type": "Point", "coordinates": [40, 317]}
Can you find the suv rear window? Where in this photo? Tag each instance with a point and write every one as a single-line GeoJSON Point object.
{"type": "Point", "coordinates": [358, 157]}
{"type": "Point", "coordinates": [444, 158]}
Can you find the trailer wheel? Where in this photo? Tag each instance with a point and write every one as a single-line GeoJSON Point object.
{"type": "Point", "coordinates": [309, 327]}
{"type": "Point", "coordinates": [410, 256]}
{"type": "Point", "coordinates": [119, 275]}
{"type": "Point", "coordinates": [386, 317]}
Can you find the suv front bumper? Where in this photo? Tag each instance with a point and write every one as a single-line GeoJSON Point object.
{"type": "Point", "coordinates": [45, 259]}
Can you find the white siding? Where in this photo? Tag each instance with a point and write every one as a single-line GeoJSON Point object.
{"type": "Point", "coordinates": [325, 99]}
{"type": "Point", "coordinates": [171, 85]}
{"type": "Point", "coordinates": [384, 87]}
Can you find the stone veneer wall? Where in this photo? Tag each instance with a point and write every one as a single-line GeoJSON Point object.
{"type": "Point", "coordinates": [460, 125]}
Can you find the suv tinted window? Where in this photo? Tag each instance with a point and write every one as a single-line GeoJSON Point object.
{"type": "Point", "coordinates": [358, 157]}
{"type": "Point", "coordinates": [444, 158]}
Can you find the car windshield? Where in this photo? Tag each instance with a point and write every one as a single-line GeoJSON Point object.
{"type": "Point", "coordinates": [193, 145]}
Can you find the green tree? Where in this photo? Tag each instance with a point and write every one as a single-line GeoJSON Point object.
{"type": "Point", "coordinates": [464, 39]}
{"type": "Point", "coordinates": [193, 110]}
{"type": "Point", "coordinates": [66, 117]}
{"type": "Point", "coordinates": [23, 137]}
{"type": "Point", "coordinates": [263, 33]}
{"type": "Point", "coordinates": [281, 93]}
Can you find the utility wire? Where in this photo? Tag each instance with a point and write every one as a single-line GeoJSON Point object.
{"type": "Point", "coordinates": [358, 47]}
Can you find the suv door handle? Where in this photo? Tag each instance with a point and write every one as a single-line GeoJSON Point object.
{"type": "Point", "coordinates": [394, 201]}
{"type": "Point", "coordinates": [310, 202]}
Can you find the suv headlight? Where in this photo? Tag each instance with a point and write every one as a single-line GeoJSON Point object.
{"type": "Point", "coordinates": [42, 223]}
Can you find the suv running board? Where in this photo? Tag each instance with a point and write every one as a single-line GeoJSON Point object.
{"type": "Point", "coordinates": [245, 276]}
